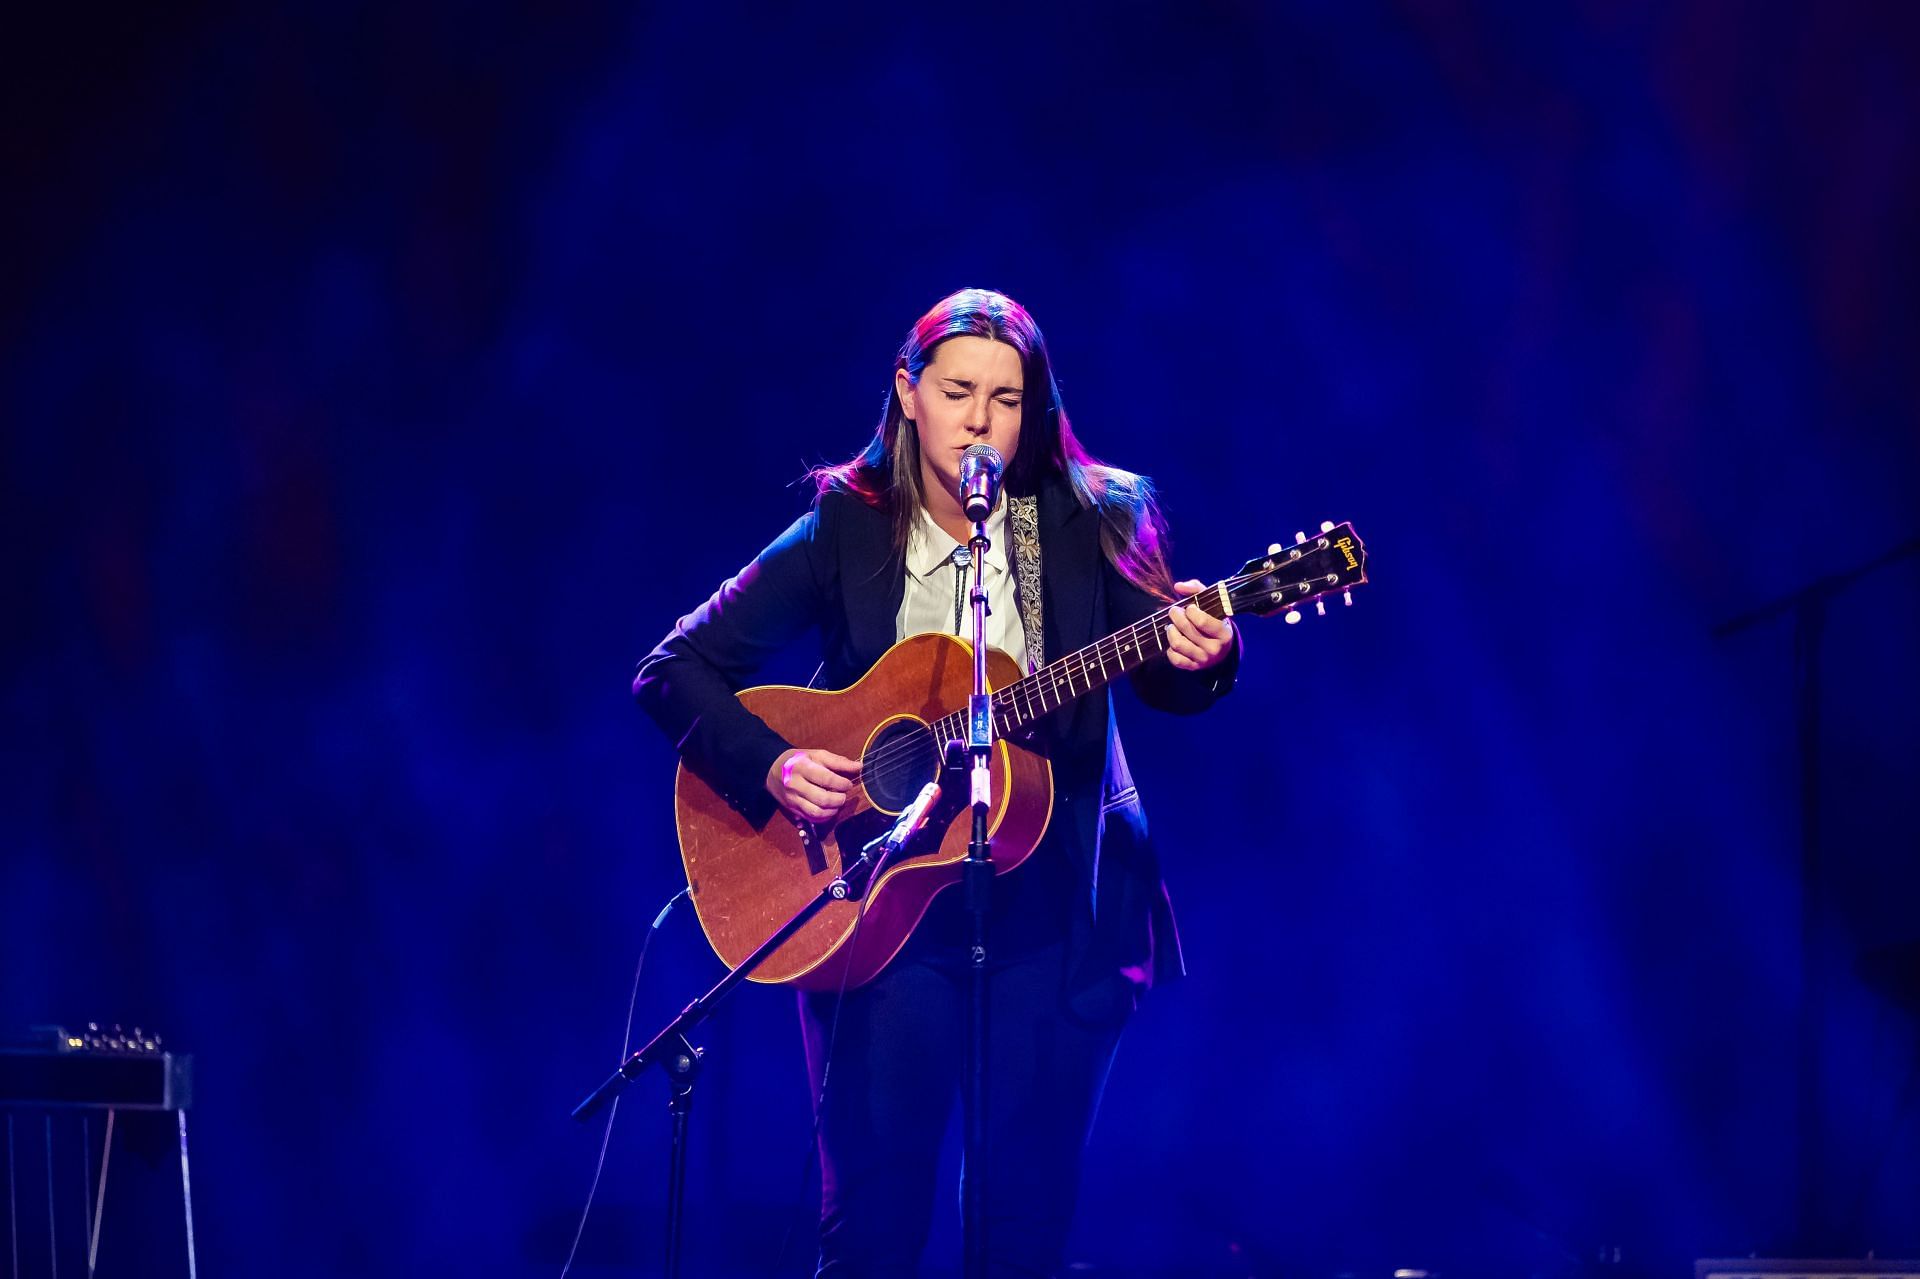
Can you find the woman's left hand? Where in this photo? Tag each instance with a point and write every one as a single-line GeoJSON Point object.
{"type": "Point", "coordinates": [1196, 639]}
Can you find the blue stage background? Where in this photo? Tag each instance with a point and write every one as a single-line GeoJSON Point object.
{"type": "Point", "coordinates": [380, 382]}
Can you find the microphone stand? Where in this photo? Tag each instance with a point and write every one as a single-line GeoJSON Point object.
{"type": "Point", "coordinates": [977, 881]}
{"type": "Point", "coordinates": [673, 1052]}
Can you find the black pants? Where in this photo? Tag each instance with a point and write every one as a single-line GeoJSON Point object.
{"type": "Point", "coordinates": [898, 1059]}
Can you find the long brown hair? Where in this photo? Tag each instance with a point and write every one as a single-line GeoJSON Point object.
{"type": "Point", "coordinates": [886, 473]}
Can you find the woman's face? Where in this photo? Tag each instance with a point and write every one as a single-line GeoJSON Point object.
{"type": "Point", "coordinates": [969, 393]}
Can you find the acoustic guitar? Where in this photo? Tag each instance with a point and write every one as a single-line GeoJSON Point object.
{"type": "Point", "coordinates": [748, 880]}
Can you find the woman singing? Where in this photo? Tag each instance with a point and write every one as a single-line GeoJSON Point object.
{"type": "Point", "coordinates": [1082, 927]}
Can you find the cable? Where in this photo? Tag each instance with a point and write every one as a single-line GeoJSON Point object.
{"type": "Point", "coordinates": [626, 1038]}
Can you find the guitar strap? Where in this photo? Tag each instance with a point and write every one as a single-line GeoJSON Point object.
{"type": "Point", "coordinates": [1023, 518]}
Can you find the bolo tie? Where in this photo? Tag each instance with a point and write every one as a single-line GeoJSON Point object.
{"type": "Point", "coordinates": [962, 559]}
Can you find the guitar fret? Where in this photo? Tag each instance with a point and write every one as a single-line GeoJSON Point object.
{"type": "Point", "coordinates": [1077, 673]}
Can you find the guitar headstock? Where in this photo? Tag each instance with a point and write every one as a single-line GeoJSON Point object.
{"type": "Point", "coordinates": [1307, 572]}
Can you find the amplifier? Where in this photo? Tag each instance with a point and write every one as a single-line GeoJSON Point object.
{"type": "Point", "coordinates": [58, 1078]}
{"type": "Point", "coordinates": [101, 1069]}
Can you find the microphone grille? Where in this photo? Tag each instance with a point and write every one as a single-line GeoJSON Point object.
{"type": "Point", "coordinates": [982, 455]}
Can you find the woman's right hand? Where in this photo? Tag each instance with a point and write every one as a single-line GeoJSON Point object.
{"type": "Point", "coordinates": [812, 784]}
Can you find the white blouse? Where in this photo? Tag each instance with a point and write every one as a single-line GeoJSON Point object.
{"type": "Point", "coordinates": [928, 604]}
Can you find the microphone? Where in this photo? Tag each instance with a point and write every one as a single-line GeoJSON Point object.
{"type": "Point", "coordinates": [911, 820]}
{"type": "Point", "coordinates": [980, 468]}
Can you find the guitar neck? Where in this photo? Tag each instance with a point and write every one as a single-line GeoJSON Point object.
{"type": "Point", "coordinates": [1285, 578]}
{"type": "Point", "coordinates": [1081, 671]}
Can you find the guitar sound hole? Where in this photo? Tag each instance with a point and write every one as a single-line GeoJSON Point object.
{"type": "Point", "coordinates": [901, 760]}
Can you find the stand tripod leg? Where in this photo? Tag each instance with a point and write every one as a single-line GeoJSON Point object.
{"type": "Point", "coordinates": [186, 1195]}
{"type": "Point", "coordinates": [681, 1066]}
{"type": "Point", "coordinates": [100, 1200]}
{"type": "Point", "coordinates": [677, 1179]}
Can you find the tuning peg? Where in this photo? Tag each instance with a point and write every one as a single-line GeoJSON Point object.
{"type": "Point", "coordinates": [1292, 616]}
{"type": "Point", "coordinates": [1299, 539]}
{"type": "Point", "coordinates": [1274, 548]}
{"type": "Point", "coordinates": [1347, 596]}
{"type": "Point", "coordinates": [1326, 526]}
{"type": "Point", "coordinates": [1320, 608]}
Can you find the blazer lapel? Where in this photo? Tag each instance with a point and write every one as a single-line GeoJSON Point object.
{"type": "Point", "coordinates": [872, 584]}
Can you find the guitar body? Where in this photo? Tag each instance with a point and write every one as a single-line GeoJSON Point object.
{"type": "Point", "coordinates": [748, 880]}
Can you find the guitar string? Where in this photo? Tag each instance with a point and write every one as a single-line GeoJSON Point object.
{"type": "Point", "coordinates": [1034, 690]}
{"type": "Point", "coordinates": [1047, 680]}
{"type": "Point", "coordinates": [1023, 696]}
{"type": "Point", "coordinates": [1027, 698]}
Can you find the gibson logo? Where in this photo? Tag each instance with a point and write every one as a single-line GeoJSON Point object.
{"type": "Point", "coordinates": [1346, 548]}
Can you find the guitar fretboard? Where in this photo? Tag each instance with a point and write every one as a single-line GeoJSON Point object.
{"type": "Point", "coordinates": [1078, 673]}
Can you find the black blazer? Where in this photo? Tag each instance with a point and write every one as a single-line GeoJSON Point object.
{"type": "Point", "coordinates": [835, 570]}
